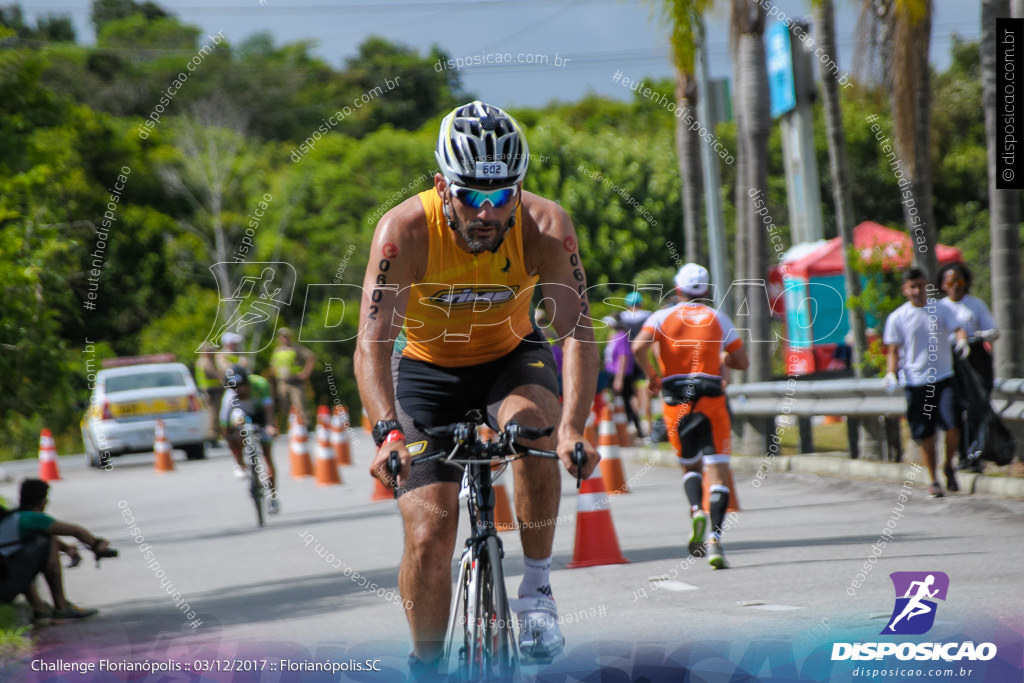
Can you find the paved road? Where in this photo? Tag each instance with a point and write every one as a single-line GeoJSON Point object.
{"type": "Point", "coordinates": [795, 549]}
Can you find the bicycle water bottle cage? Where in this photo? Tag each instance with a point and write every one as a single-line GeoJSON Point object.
{"type": "Point", "coordinates": [695, 435]}
{"type": "Point", "coordinates": [678, 390]}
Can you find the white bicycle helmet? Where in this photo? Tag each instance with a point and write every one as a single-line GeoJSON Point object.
{"type": "Point", "coordinates": [480, 145]}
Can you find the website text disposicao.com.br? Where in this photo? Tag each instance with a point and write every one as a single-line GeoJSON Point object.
{"type": "Point", "coordinates": [492, 58]}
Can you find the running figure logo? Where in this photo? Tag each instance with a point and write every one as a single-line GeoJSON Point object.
{"type": "Point", "coordinates": [257, 292]}
{"type": "Point", "coordinates": [914, 612]}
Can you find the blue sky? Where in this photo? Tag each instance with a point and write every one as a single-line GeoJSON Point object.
{"type": "Point", "coordinates": [598, 37]}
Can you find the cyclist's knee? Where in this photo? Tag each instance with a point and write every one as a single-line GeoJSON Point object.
{"type": "Point", "coordinates": [427, 546]}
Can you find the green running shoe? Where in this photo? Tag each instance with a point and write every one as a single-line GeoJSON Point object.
{"type": "Point", "coordinates": [716, 556]}
{"type": "Point", "coordinates": [699, 520]}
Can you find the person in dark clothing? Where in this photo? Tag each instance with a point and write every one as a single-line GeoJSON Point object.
{"type": "Point", "coordinates": [30, 545]}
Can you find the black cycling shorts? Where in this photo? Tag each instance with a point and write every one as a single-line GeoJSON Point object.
{"type": "Point", "coordinates": [434, 395]}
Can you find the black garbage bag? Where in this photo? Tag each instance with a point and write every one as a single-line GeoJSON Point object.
{"type": "Point", "coordinates": [985, 436]}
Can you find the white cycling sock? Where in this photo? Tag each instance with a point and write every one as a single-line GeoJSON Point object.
{"type": "Point", "coordinates": [536, 577]}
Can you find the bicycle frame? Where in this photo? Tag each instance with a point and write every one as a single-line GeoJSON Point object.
{"type": "Point", "coordinates": [475, 560]}
{"type": "Point", "coordinates": [488, 648]}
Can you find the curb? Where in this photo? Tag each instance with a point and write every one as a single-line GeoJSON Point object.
{"type": "Point", "coordinates": [838, 465]}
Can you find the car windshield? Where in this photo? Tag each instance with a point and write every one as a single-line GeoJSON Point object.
{"type": "Point", "coordinates": [145, 380]}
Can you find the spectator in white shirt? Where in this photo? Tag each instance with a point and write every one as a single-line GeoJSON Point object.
{"type": "Point", "coordinates": [916, 335]}
{"type": "Point", "coordinates": [973, 315]}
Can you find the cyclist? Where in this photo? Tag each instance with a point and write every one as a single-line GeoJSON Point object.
{"type": "Point", "coordinates": [457, 264]}
{"type": "Point", "coordinates": [251, 393]}
{"type": "Point", "coordinates": [694, 341]}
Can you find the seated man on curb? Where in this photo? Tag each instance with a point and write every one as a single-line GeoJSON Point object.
{"type": "Point", "coordinates": [30, 545]}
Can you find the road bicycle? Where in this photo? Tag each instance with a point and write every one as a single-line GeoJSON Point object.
{"type": "Point", "coordinates": [485, 647]}
{"type": "Point", "coordinates": [252, 448]}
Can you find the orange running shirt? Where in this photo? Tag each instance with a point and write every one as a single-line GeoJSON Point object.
{"type": "Point", "coordinates": [691, 338]}
{"type": "Point", "coordinates": [469, 308]}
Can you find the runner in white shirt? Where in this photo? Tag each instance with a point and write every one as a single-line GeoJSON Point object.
{"type": "Point", "coordinates": [916, 335]}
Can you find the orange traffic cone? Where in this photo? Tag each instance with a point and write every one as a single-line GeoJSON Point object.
{"type": "Point", "coordinates": [326, 466]}
{"type": "Point", "coordinates": [503, 519]}
{"type": "Point", "coordinates": [339, 436]}
{"type": "Point", "coordinates": [485, 432]}
{"type": "Point", "coordinates": [298, 448]}
{"type": "Point", "coordinates": [621, 422]}
{"type": "Point", "coordinates": [162, 450]}
{"type": "Point", "coordinates": [367, 427]}
{"type": "Point", "coordinates": [590, 428]}
{"type": "Point", "coordinates": [611, 463]}
{"type": "Point", "coordinates": [47, 457]}
{"type": "Point", "coordinates": [596, 542]}
{"type": "Point", "coordinates": [734, 497]}
{"type": "Point", "coordinates": [380, 491]}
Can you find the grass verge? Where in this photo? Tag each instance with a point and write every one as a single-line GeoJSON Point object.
{"type": "Point", "coordinates": [15, 636]}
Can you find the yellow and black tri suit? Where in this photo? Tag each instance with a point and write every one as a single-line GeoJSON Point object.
{"type": "Point", "coordinates": [468, 340]}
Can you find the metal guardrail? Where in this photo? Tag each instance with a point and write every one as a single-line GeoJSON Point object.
{"type": "Point", "coordinates": [850, 397]}
{"type": "Point", "coordinates": [859, 400]}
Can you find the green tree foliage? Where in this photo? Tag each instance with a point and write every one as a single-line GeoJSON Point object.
{"type": "Point", "coordinates": [421, 89]}
{"type": "Point", "coordinates": [141, 32]}
{"type": "Point", "coordinates": [106, 11]}
{"type": "Point", "coordinates": [69, 121]}
{"type": "Point", "coordinates": [56, 28]}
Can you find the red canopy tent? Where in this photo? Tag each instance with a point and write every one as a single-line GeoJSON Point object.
{"type": "Point", "coordinates": [869, 239]}
{"type": "Point", "coordinates": [811, 265]}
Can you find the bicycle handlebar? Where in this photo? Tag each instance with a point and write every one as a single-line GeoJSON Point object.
{"type": "Point", "coordinates": [464, 434]}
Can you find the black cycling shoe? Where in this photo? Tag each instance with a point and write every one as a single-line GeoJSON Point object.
{"type": "Point", "coordinates": [425, 672]}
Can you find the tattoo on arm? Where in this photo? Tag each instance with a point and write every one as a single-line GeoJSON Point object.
{"type": "Point", "coordinates": [382, 281]}
{"type": "Point", "coordinates": [577, 273]}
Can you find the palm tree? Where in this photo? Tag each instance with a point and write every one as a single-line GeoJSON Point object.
{"type": "Point", "coordinates": [901, 32]}
{"type": "Point", "coordinates": [1004, 213]}
{"type": "Point", "coordinates": [683, 18]}
{"type": "Point", "coordinates": [870, 435]}
{"type": "Point", "coordinates": [752, 108]}
{"type": "Point", "coordinates": [688, 151]}
{"type": "Point", "coordinates": [825, 29]}
{"type": "Point", "coordinates": [753, 128]}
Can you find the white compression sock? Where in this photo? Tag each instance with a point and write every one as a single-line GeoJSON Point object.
{"type": "Point", "coordinates": [536, 577]}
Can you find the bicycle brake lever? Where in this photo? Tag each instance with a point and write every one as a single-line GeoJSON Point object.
{"type": "Point", "coordinates": [579, 457]}
{"type": "Point", "coordinates": [394, 467]}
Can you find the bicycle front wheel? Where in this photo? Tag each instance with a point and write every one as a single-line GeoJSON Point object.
{"type": "Point", "coordinates": [499, 655]}
{"type": "Point", "coordinates": [256, 486]}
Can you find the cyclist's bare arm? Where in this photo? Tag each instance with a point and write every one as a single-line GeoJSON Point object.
{"type": "Point", "coordinates": [552, 252]}
{"type": "Point", "coordinates": [737, 360]}
{"type": "Point", "coordinates": [397, 259]}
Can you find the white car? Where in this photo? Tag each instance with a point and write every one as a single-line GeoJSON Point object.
{"type": "Point", "coordinates": [126, 403]}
